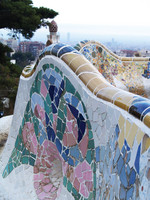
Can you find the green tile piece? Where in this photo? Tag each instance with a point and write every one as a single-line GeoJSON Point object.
{"type": "Point", "coordinates": [59, 123]}
{"type": "Point", "coordinates": [61, 114]}
{"type": "Point", "coordinates": [40, 75]}
{"type": "Point", "coordinates": [69, 186]}
{"type": "Point", "coordinates": [89, 124]}
{"type": "Point", "coordinates": [88, 156]}
{"type": "Point", "coordinates": [60, 135]}
{"type": "Point", "coordinates": [91, 196]}
{"type": "Point", "coordinates": [47, 107]}
{"type": "Point", "coordinates": [31, 161]}
{"type": "Point", "coordinates": [91, 144]}
{"type": "Point", "coordinates": [65, 181]}
{"type": "Point", "coordinates": [90, 134]}
{"type": "Point", "coordinates": [94, 180]}
{"type": "Point", "coordinates": [69, 87]}
{"type": "Point", "coordinates": [25, 160]}
{"type": "Point", "coordinates": [52, 66]}
{"type": "Point", "coordinates": [10, 167]}
{"type": "Point", "coordinates": [57, 69]}
{"type": "Point", "coordinates": [46, 66]}
{"type": "Point", "coordinates": [48, 100]}
{"type": "Point", "coordinates": [63, 127]}
{"type": "Point", "coordinates": [74, 191]}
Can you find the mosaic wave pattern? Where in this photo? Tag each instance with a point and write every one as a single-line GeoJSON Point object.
{"type": "Point", "coordinates": [136, 105]}
{"type": "Point", "coordinates": [81, 132]}
{"type": "Point", "coordinates": [56, 132]}
{"type": "Point", "coordinates": [128, 71]}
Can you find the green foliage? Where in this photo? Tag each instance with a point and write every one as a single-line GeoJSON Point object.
{"type": "Point", "coordinates": [9, 76]}
{"type": "Point", "coordinates": [4, 49]}
{"type": "Point", "coordinates": [21, 17]}
{"type": "Point", "coordinates": [23, 59]}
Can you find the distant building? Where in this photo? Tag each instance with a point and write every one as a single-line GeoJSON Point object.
{"type": "Point", "coordinates": [11, 42]}
{"type": "Point", "coordinates": [33, 47]}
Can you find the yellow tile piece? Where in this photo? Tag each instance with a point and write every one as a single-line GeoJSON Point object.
{"type": "Point", "coordinates": [67, 58]}
{"type": "Point", "coordinates": [145, 143]}
{"type": "Point", "coordinates": [121, 138]}
{"type": "Point", "coordinates": [147, 120]}
{"type": "Point", "coordinates": [139, 136]}
{"type": "Point", "coordinates": [108, 93]}
{"type": "Point", "coordinates": [127, 128]}
{"type": "Point", "coordinates": [121, 121]}
{"type": "Point", "coordinates": [132, 134]}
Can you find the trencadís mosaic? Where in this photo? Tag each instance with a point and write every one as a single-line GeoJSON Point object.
{"type": "Point", "coordinates": [56, 138]}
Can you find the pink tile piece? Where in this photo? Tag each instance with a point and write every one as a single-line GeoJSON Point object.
{"type": "Point", "coordinates": [71, 140]}
{"type": "Point", "coordinates": [69, 125]}
{"type": "Point", "coordinates": [85, 166]}
{"type": "Point", "coordinates": [47, 188]}
{"type": "Point", "coordinates": [43, 89]}
{"type": "Point", "coordinates": [41, 196]}
{"type": "Point", "coordinates": [87, 175]}
{"type": "Point", "coordinates": [89, 185]}
{"type": "Point", "coordinates": [83, 145]}
{"type": "Point", "coordinates": [84, 191]}
{"type": "Point", "coordinates": [76, 184]}
{"type": "Point", "coordinates": [78, 171]}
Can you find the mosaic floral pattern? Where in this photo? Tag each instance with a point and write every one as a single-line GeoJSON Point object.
{"type": "Point", "coordinates": [129, 73]}
{"type": "Point", "coordinates": [56, 138]}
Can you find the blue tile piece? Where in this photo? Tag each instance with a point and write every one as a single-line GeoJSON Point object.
{"type": "Point", "coordinates": [120, 164]}
{"type": "Point", "coordinates": [58, 145]}
{"type": "Point", "coordinates": [74, 111]}
{"type": "Point", "coordinates": [54, 109]}
{"type": "Point", "coordinates": [117, 130]}
{"type": "Point", "coordinates": [123, 177]}
{"type": "Point", "coordinates": [70, 161]}
{"type": "Point", "coordinates": [64, 156]}
{"type": "Point", "coordinates": [98, 154]}
{"type": "Point", "coordinates": [128, 157]}
{"type": "Point", "coordinates": [123, 150]}
{"type": "Point", "coordinates": [117, 154]}
{"type": "Point", "coordinates": [47, 118]}
{"type": "Point", "coordinates": [67, 151]}
{"type": "Point", "coordinates": [47, 73]}
{"type": "Point", "coordinates": [132, 177]}
{"type": "Point", "coordinates": [127, 146]}
{"type": "Point", "coordinates": [130, 193]}
{"type": "Point", "coordinates": [102, 153]}
{"type": "Point", "coordinates": [137, 159]}
{"type": "Point", "coordinates": [50, 133]}
{"type": "Point", "coordinates": [138, 108]}
{"type": "Point", "coordinates": [128, 169]}
{"type": "Point", "coordinates": [52, 80]}
{"type": "Point", "coordinates": [75, 101]}
{"type": "Point", "coordinates": [51, 92]}
{"type": "Point", "coordinates": [101, 167]}
{"type": "Point", "coordinates": [74, 152]}
{"type": "Point", "coordinates": [122, 194]}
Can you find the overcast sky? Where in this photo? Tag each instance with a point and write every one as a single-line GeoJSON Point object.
{"type": "Point", "coordinates": [100, 12]}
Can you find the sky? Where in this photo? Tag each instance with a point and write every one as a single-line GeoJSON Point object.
{"type": "Point", "coordinates": [92, 19]}
{"type": "Point", "coordinates": [100, 12]}
{"type": "Point", "coordinates": [99, 17]}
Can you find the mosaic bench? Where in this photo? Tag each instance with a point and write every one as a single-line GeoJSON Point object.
{"type": "Point", "coordinates": [74, 135]}
{"type": "Point", "coordinates": [128, 73]}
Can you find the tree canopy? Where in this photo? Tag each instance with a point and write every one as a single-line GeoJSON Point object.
{"type": "Point", "coordinates": [21, 17]}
